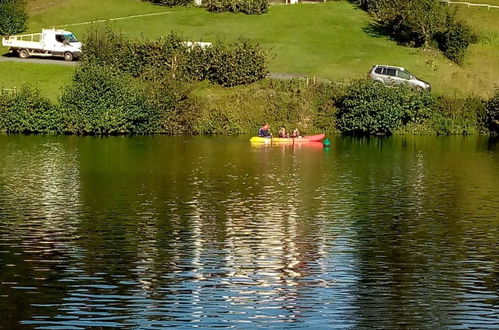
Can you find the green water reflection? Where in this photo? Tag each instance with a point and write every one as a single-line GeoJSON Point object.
{"type": "Point", "coordinates": [394, 232]}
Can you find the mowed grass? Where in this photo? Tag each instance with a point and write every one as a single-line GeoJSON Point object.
{"type": "Point", "coordinates": [331, 40]}
{"type": "Point", "coordinates": [50, 79]}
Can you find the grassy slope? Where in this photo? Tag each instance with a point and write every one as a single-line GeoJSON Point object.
{"type": "Point", "coordinates": [331, 40]}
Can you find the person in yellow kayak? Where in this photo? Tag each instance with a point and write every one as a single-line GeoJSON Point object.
{"type": "Point", "coordinates": [264, 131]}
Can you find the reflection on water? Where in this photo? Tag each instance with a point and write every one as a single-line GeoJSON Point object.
{"type": "Point", "coordinates": [213, 232]}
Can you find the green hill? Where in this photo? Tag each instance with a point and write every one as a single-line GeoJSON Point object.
{"type": "Point", "coordinates": [331, 40]}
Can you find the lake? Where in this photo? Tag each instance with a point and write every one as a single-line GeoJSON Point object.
{"type": "Point", "coordinates": [154, 232]}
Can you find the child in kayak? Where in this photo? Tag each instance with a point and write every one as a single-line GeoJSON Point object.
{"type": "Point", "coordinates": [264, 131]}
{"type": "Point", "coordinates": [296, 133]}
{"type": "Point", "coordinates": [282, 133]}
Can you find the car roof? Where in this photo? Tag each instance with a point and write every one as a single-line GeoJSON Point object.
{"type": "Point", "coordinates": [389, 66]}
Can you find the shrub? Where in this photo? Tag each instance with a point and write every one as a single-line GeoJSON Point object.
{"type": "Point", "coordinates": [226, 64]}
{"type": "Point", "coordinates": [455, 40]}
{"type": "Point", "coordinates": [456, 115]}
{"type": "Point", "coordinates": [250, 7]}
{"type": "Point", "coordinates": [235, 64]}
{"type": "Point", "coordinates": [371, 108]}
{"type": "Point", "coordinates": [492, 113]}
{"type": "Point", "coordinates": [27, 112]}
{"type": "Point", "coordinates": [13, 17]}
{"type": "Point", "coordinates": [169, 98]}
{"type": "Point", "coordinates": [171, 3]}
{"type": "Point", "coordinates": [103, 100]}
{"type": "Point", "coordinates": [423, 23]}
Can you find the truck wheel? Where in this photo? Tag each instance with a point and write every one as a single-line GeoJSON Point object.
{"type": "Point", "coordinates": [68, 56]}
{"type": "Point", "coordinates": [23, 53]}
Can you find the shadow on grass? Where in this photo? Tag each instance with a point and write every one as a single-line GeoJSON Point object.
{"type": "Point", "coordinates": [377, 30]}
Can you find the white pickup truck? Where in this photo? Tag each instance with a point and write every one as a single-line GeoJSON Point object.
{"type": "Point", "coordinates": [50, 42]}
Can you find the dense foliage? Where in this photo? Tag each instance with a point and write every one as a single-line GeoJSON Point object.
{"type": "Point", "coordinates": [458, 115]}
{"type": "Point", "coordinates": [492, 108]}
{"type": "Point", "coordinates": [422, 23]}
{"type": "Point", "coordinates": [228, 64]}
{"type": "Point", "coordinates": [250, 7]}
{"type": "Point", "coordinates": [13, 17]}
{"type": "Point", "coordinates": [26, 112]}
{"type": "Point", "coordinates": [171, 3]}
{"type": "Point", "coordinates": [235, 64]}
{"type": "Point", "coordinates": [371, 108]}
{"type": "Point", "coordinates": [102, 100]}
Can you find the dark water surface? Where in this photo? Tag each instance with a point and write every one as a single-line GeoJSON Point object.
{"type": "Point", "coordinates": [152, 232]}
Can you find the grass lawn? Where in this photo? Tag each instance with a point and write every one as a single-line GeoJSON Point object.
{"type": "Point", "coordinates": [331, 40]}
{"type": "Point", "coordinates": [49, 78]}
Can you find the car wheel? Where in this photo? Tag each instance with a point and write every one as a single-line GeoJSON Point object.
{"type": "Point", "coordinates": [68, 56]}
{"type": "Point", "coordinates": [23, 53]}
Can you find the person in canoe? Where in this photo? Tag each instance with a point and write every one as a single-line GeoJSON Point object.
{"type": "Point", "coordinates": [296, 133]}
{"type": "Point", "coordinates": [282, 133]}
{"type": "Point", "coordinates": [264, 131]}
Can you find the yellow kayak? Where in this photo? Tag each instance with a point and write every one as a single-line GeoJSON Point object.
{"type": "Point", "coordinates": [304, 139]}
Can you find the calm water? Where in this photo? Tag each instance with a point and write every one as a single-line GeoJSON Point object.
{"type": "Point", "coordinates": [151, 232]}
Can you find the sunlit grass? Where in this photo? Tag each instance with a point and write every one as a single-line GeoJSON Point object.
{"type": "Point", "coordinates": [332, 40]}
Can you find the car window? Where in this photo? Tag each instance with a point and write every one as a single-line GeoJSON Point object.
{"type": "Point", "coordinates": [59, 38]}
{"type": "Point", "coordinates": [403, 74]}
{"type": "Point", "coordinates": [378, 70]}
{"type": "Point", "coordinates": [391, 72]}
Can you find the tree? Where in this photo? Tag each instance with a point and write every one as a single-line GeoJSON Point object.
{"type": "Point", "coordinates": [425, 18]}
{"type": "Point", "coordinates": [13, 16]}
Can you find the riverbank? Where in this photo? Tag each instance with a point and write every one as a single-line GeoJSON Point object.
{"type": "Point", "coordinates": [206, 108]}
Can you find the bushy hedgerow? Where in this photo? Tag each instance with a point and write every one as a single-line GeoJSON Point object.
{"type": "Point", "coordinates": [171, 3]}
{"type": "Point", "coordinates": [26, 111]}
{"type": "Point", "coordinates": [492, 113]}
{"type": "Point", "coordinates": [370, 108]}
{"type": "Point", "coordinates": [236, 63]}
{"type": "Point", "coordinates": [168, 97]}
{"type": "Point", "coordinates": [103, 100]}
{"type": "Point", "coordinates": [228, 64]}
{"type": "Point", "coordinates": [13, 17]}
{"type": "Point", "coordinates": [455, 115]}
{"type": "Point", "coordinates": [250, 7]}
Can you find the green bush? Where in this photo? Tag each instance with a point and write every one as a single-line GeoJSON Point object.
{"type": "Point", "coordinates": [455, 40]}
{"type": "Point", "coordinates": [103, 100]}
{"type": "Point", "coordinates": [171, 3]}
{"type": "Point", "coordinates": [27, 112]}
{"type": "Point", "coordinates": [370, 108]}
{"type": "Point", "coordinates": [458, 116]}
{"type": "Point", "coordinates": [422, 23]}
{"type": "Point", "coordinates": [492, 113]}
{"type": "Point", "coordinates": [250, 7]}
{"type": "Point", "coordinates": [226, 64]}
{"type": "Point", "coordinates": [237, 63]}
{"type": "Point", "coordinates": [175, 112]}
{"type": "Point", "coordinates": [13, 17]}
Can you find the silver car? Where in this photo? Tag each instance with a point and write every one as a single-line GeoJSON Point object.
{"type": "Point", "coordinates": [393, 76]}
